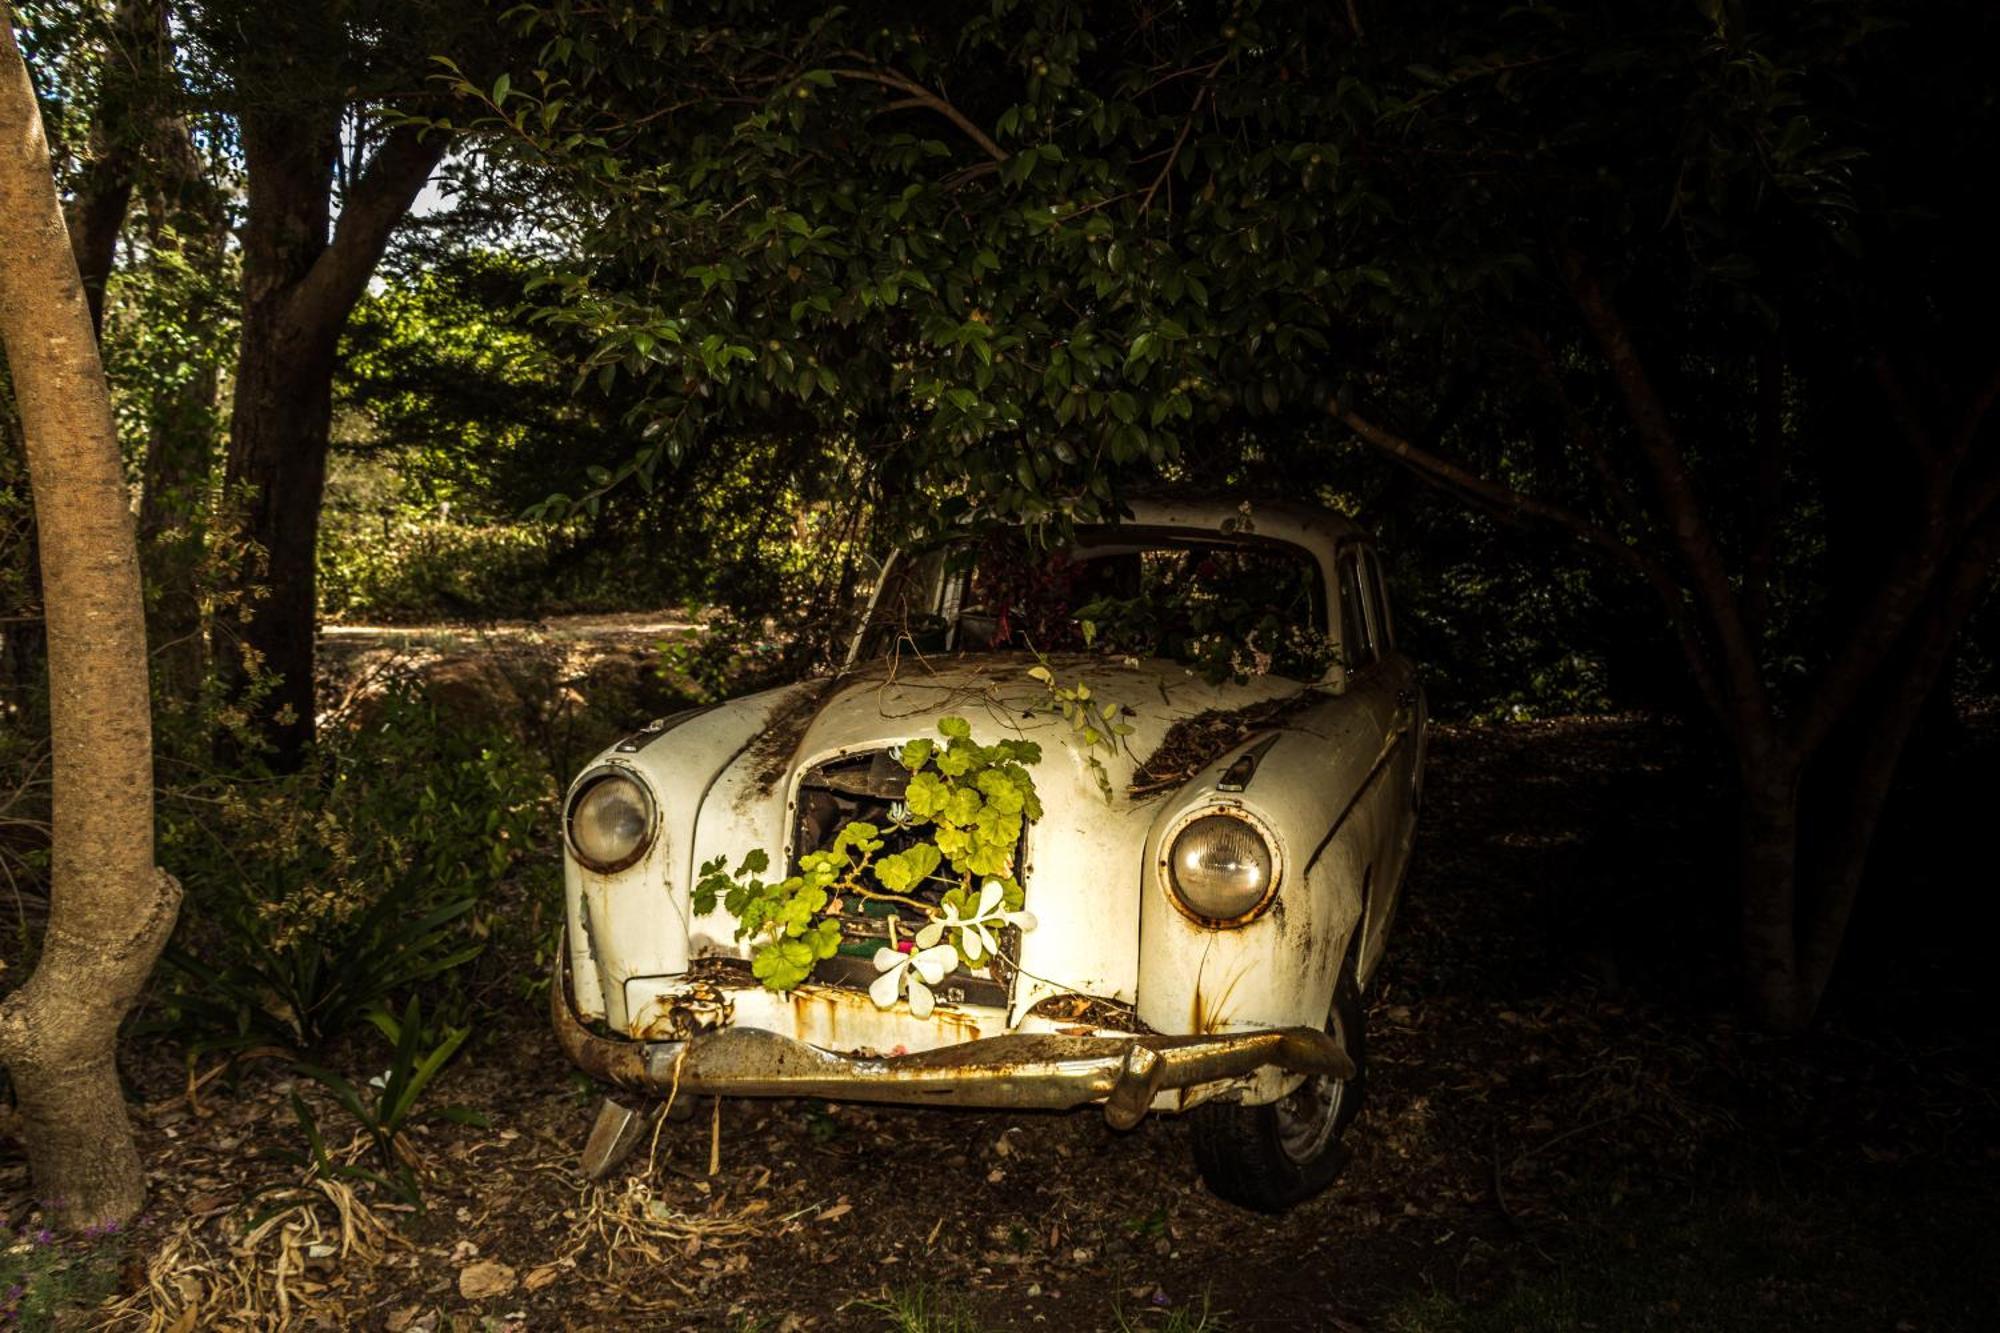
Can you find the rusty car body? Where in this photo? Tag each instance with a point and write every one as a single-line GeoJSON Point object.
{"type": "Point", "coordinates": [1132, 992]}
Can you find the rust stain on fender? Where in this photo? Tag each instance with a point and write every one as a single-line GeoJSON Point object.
{"type": "Point", "coordinates": [1124, 1073]}
{"type": "Point", "coordinates": [839, 1019]}
{"type": "Point", "coordinates": [700, 1006]}
{"type": "Point", "coordinates": [1207, 1014]}
{"type": "Point", "coordinates": [619, 1062]}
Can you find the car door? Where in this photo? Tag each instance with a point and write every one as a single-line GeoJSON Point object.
{"type": "Point", "coordinates": [1381, 681]}
{"type": "Point", "coordinates": [1399, 791]}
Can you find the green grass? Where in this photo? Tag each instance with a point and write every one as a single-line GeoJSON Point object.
{"type": "Point", "coordinates": [922, 1308]}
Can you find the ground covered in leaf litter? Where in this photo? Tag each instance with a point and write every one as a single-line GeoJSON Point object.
{"type": "Point", "coordinates": [1566, 1130]}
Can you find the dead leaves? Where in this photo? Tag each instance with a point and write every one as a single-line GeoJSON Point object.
{"type": "Point", "coordinates": [484, 1280]}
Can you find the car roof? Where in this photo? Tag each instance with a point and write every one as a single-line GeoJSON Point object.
{"type": "Point", "coordinates": [1318, 530]}
{"type": "Point", "coordinates": [1301, 524]}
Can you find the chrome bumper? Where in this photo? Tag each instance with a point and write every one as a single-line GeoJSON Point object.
{"type": "Point", "coordinates": [1039, 1071]}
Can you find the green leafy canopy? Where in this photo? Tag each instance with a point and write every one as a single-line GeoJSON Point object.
{"type": "Point", "coordinates": [1013, 251]}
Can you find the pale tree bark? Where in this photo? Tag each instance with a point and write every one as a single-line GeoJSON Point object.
{"type": "Point", "coordinates": [125, 113]}
{"type": "Point", "coordinates": [111, 909]}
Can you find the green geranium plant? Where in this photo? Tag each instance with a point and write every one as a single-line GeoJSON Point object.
{"type": "Point", "coordinates": [970, 800]}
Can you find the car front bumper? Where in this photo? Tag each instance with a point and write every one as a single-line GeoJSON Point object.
{"type": "Point", "coordinates": [1037, 1071]}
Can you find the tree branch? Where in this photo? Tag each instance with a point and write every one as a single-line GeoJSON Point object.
{"type": "Point", "coordinates": [1907, 581]}
{"type": "Point", "coordinates": [1586, 437]}
{"type": "Point", "coordinates": [368, 216]}
{"type": "Point", "coordinates": [1515, 506]}
{"type": "Point", "coordinates": [1682, 507]}
{"type": "Point", "coordinates": [1673, 597]}
{"type": "Point", "coordinates": [1187, 127]}
{"type": "Point", "coordinates": [1769, 486]}
{"type": "Point", "coordinates": [1982, 498]}
{"type": "Point", "coordinates": [125, 100]}
{"type": "Point", "coordinates": [922, 96]}
{"type": "Point", "coordinates": [1908, 421]}
{"type": "Point", "coordinates": [1975, 412]}
{"type": "Point", "coordinates": [95, 216]}
{"type": "Point", "coordinates": [1951, 602]}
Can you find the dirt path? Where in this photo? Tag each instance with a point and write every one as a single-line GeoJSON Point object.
{"type": "Point", "coordinates": [641, 625]}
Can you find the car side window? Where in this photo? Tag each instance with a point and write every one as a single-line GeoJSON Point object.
{"type": "Point", "coordinates": [1355, 640]}
{"type": "Point", "coordinates": [1378, 607]}
{"type": "Point", "coordinates": [906, 607]}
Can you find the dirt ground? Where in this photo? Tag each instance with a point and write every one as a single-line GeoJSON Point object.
{"type": "Point", "coordinates": [1566, 1129]}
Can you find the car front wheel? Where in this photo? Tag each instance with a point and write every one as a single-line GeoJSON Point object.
{"type": "Point", "coordinates": [1274, 1156]}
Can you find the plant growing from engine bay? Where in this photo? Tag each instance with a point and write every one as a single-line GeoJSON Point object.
{"type": "Point", "coordinates": [971, 801]}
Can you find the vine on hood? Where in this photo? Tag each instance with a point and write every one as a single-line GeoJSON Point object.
{"type": "Point", "coordinates": [973, 799]}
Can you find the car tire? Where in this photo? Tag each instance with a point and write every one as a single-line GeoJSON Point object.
{"type": "Point", "coordinates": [1273, 1157]}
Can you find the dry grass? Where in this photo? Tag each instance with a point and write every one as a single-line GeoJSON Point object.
{"type": "Point", "coordinates": [256, 1273]}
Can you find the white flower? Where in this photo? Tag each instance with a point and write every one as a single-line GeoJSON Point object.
{"type": "Point", "coordinates": [899, 814]}
{"type": "Point", "coordinates": [975, 932]}
{"type": "Point", "coordinates": [920, 971]}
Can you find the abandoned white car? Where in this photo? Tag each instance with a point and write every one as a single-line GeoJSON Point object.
{"type": "Point", "coordinates": [1120, 821]}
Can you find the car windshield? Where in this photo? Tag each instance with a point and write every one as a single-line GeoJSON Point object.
{"type": "Point", "coordinates": [1227, 606]}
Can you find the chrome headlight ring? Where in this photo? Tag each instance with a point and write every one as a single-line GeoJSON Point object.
{"type": "Point", "coordinates": [611, 819]}
{"type": "Point", "coordinates": [1220, 866]}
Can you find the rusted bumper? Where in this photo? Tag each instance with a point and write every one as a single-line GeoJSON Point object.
{"type": "Point", "coordinates": [1025, 1070]}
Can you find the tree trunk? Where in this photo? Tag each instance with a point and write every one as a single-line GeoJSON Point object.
{"type": "Point", "coordinates": [187, 218]}
{"type": "Point", "coordinates": [1857, 773]}
{"type": "Point", "coordinates": [277, 467]}
{"type": "Point", "coordinates": [127, 98]}
{"type": "Point", "coordinates": [183, 433]}
{"type": "Point", "coordinates": [298, 288]}
{"type": "Point", "coordinates": [188, 215]}
{"type": "Point", "coordinates": [173, 524]}
{"type": "Point", "coordinates": [1809, 826]}
{"type": "Point", "coordinates": [283, 411]}
{"type": "Point", "coordinates": [110, 908]}
{"type": "Point", "coordinates": [1767, 868]}
{"type": "Point", "coordinates": [98, 215]}
{"type": "Point", "coordinates": [123, 119]}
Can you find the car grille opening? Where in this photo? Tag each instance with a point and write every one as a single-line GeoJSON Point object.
{"type": "Point", "coordinates": [864, 787]}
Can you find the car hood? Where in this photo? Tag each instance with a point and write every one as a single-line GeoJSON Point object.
{"type": "Point", "coordinates": [1085, 857]}
{"type": "Point", "coordinates": [885, 703]}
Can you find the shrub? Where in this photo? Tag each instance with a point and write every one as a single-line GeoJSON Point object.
{"type": "Point", "coordinates": [387, 1103]}
{"type": "Point", "coordinates": [417, 569]}
{"type": "Point", "coordinates": [318, 896]}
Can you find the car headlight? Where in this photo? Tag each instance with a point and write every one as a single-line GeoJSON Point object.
{"type": "Point", "coordinates": [610, 821]}
{"type": "Point", "coordinates": [1221, 869]}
